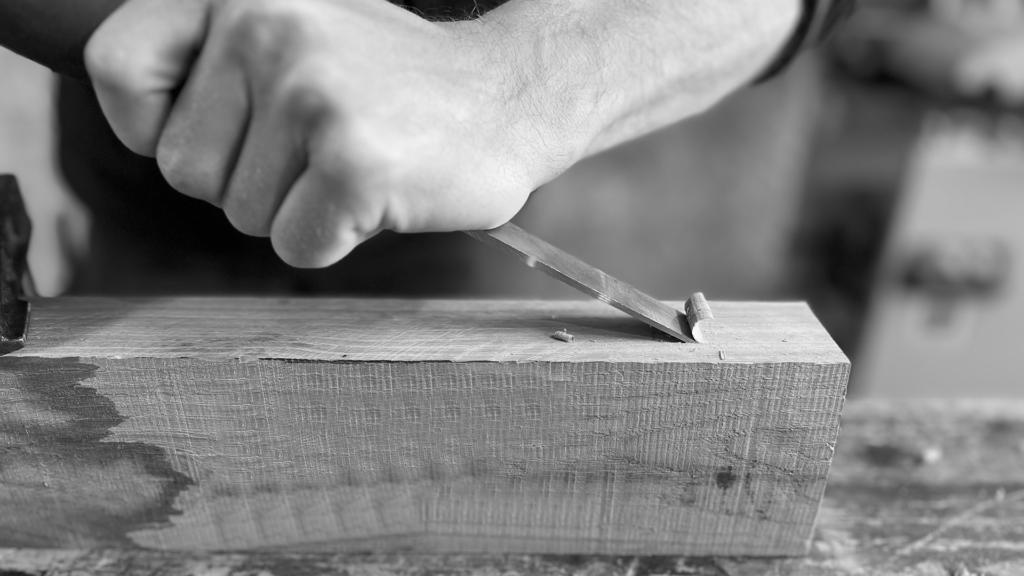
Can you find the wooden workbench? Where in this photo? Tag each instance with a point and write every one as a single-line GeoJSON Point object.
{"type": "Point", "coordinates": [916, 489]}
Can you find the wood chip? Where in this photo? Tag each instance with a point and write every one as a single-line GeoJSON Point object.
{"type": "Point", "coordinates": [699, 316]}
{"type": "Point", "coordinates": [563, 335]}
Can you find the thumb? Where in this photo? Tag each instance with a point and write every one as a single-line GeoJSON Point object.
{"type": "Point", "coordinates": [136, 60]}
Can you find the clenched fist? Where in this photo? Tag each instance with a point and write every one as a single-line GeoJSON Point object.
{"type": "Point", "coordinates": [321, 122]}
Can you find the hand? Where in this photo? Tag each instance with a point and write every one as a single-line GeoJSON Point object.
{"type": "Point", "coordinates": [322, 122]}
{"type": "Point", "coordinates": [318, 122]}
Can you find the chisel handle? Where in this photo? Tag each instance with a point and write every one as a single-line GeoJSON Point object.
{"type": "Point", "coordinates": [53, 32]}
{"type": "Point", "coordinates": [15, 229]}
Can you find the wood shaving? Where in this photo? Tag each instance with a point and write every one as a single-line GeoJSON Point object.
{"type": "Point", "coordinates": [563, 335]}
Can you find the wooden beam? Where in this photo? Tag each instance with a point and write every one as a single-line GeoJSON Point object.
{"type": "Point", "coordinates": [916, 488]}
{"type": "Point", "coordinates": [351, 425]}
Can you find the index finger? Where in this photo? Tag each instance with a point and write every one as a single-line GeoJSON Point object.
{"type": "Point", "coordinates": [138, 57]}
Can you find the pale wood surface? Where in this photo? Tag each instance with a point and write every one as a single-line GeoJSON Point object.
{"type": "Point", "coordinates": [331, 329]}
{"type": "Point", "coordinates": [916, 489]}
{"type": "Point", "coordinates": [351, 425]}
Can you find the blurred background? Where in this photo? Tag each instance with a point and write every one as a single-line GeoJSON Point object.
{"type": "Point", "coordinates": [881, 179]}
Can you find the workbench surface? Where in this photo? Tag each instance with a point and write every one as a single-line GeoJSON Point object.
{"type": "Point", "coordinates": [916, 489]}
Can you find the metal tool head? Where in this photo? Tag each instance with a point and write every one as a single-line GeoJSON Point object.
{"type": "Point", "coordinates": [538, 254]}
{"type": "Point", "coordinates": [15, 229]}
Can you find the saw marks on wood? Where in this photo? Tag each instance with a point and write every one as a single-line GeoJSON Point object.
{"type": "Point", "coordinates": [429, 426]}
{"type": "Point", "coordinates": [961, 514]}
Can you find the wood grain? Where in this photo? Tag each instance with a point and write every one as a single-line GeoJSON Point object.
{"type": "Point", "coordinates": [888, 510]}
{"type": "Point", "coordinates": [376, 425]}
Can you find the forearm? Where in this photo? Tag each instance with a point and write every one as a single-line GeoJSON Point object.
{"type": "Point", "coordinates": [601, 72]}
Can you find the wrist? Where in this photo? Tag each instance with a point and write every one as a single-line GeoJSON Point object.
{"type": "Point", "coordinates": [594, 74]}
{"type": "Point", "coordinates": [545, 80]}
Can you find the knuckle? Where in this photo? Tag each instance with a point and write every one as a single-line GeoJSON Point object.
{"type": "Point", "coordinates": [344, 153]}
{"type": "Point", "coordinates": [321, 229]}
{"type": "Point", "coordinates": [184, 174]}
{"type": "Point", "coordinates": [308, 100]}
{"type": "Point", "coordinates": [111, 64]}
{"type": "Point", "coordinates": [246, 218]}
{"type": "Point", "coordinates": [362, 182]}
{"type": "Point", "coordinates": [263, 28]}
{"type": "Point", "coordinates": [172, 169]}
{"type": "Point", "coordinates": [141, 144]}
{"type": "Point", "coordinates": [297, 252]}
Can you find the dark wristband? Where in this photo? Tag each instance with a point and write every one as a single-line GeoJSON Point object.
{"type": "Point", "coordinates": [817, 22]}
{"type": "Point", "coordinates": [53, 32]}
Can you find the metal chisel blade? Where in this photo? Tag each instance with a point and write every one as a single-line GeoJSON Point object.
{"type": "Point", "coordinates": [537, 253]}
